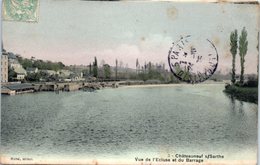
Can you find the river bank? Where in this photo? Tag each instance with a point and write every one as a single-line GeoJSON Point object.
{"type": "Point", "coordinates": [249, 94]}
{"type": "Point", "coordinates": [20, 88]}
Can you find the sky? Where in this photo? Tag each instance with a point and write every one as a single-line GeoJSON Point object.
{"type": "Point", "coordinates": [74, 31]}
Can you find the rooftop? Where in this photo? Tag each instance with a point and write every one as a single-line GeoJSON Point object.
{"type": "Point", "coordinates": [11, 56]}
{"type": "Point", "coordinates": [18, 86]}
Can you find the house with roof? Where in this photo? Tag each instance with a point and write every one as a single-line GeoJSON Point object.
{"type": "Point", "coordinates": [65, 73]}
{"type": "Point", "coordinates": [49, 72]}
{"type": "Point", "coordinates": [17, 88]}
{"type": "Point", "coordinates": [16, 66]}
{"type": "Point", "coordinates": [76, 76]}
{"type": "Point", "coordinates": [20, 71]}
{"type": "Point", "coordinates": [32, 70]}
{"type": "Point", "coordinates": [13, 61]}
{"type": "Point", "coordinates": [12, 57]}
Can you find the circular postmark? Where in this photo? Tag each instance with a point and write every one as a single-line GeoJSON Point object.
{"type": "Point", "coordinates": [193, 60]}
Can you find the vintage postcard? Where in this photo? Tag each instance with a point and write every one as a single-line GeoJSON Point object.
{"type": "Point", "coordinates": [129, 82]}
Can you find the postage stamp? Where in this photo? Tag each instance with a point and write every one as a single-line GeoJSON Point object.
{"type": "Point", "coordinates": [192, 59]}
{"type": "Point", "coordinates": [21, 10]}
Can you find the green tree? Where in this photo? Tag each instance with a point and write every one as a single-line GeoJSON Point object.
{"type": "Point", "coordinates": [33, 77]}
{"type": "Point", "coordinates": [90, 69]}
{"type": "Point", "coordinates": [243, 43]}
{"type": "Point", "coordinates": [85, 72]}
{"type": "Point", "coordinates": [95, 68]}
{"type": "Point", "coordinates": [52, 78]}
{"type": "Point", "coordinates": [116, 68]}
{"type": "Point", "coordinates": [26, 63]}
{"type": "Point", "coordinates": [40, 64]}
{"type": "Point", "coordinates": [11, 74]}
{"type": "Point", "coordinates": [43, 75]}
{"type": "Point", "coordinates": [61, 65]}
{"type": "Point", "coordinates": [233, 50]}
{"type": "Point", "coordinates": [150, 70]}
{"type": "Point", "coordinates": [107, 71]}
{"type": "Point", "coordinates": [137, 65]}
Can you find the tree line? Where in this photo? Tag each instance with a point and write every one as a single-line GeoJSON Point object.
{"type": "Point", "coordinates": [40, 64]}
{"type": "Point", "coordinates": [148, 71]}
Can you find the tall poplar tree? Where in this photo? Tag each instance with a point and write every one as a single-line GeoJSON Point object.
{"type": "Point", "coordinates": [243, 43]}
{"type": "Point", "coordinates": [95, 68]}
{"type": "Point", "coordinates": [233, 50]}
{"type": "Point", "coordinates": [116, 68]}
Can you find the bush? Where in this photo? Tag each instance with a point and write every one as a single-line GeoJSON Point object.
{"type": "Point", "coordinates": [249, 94]}
{"type": "Point", "coordinates": [251, 82]}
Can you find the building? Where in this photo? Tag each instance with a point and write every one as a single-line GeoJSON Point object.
{"type": "Point", "coordinates": [12, 58]}
{"type": "Point", "coordinates": [76, 77]}
{"type": "Point", "coordinates": [4, 67]}
{"type": "Point", "coordinates": [32, 70]}
{"type": "Point", "coordinates": [21, 73]}
{"type": "Point", "coordinates": [13, 61]}
{"type": "Point", "coordinates": [16, 66]}
{"type": "Point", "coordinates": [65, 73]}
{"type": "Point", "coordinates": [49, 72]}
{"type": "Point", "coordinates": [17, 88]}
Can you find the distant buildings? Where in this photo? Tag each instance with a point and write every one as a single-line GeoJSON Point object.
{"type": "Point", "coordinates": [12, 59]}
{"type": "Point", "coordinates": [63, 73]}
{"type": "Point", "coordinates": [76, 77]}
{"type": "Point", "coordinates": [49, 72]}
{"type": "Point", "coordinates": [32, 70]}
{"type": "Point", "coordinates": [4, 66]}
{"type": "Point", "coordinates": [16, 66]}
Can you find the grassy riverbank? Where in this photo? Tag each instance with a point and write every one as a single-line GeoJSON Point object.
{"type": "Point", "coordinates": [249, 94]}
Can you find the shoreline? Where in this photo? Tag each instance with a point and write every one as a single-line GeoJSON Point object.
{"type": "Point", "coordinates": [247, 94]}
{"type": "Point", "coordinates": [21, 88]}
{"type": "Point", "coordinates": [169, 85]}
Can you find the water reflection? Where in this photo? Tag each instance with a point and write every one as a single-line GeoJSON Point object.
{"type": "Point", "coordinates": [236, 105]}
{"type": "Point", "coordinates": [233, 103]}
{"type": "Point", "coordinates": [241, 110]}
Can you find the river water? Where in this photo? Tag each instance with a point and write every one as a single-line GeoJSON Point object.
{"type": "Point", "coordinates": [129, 122]}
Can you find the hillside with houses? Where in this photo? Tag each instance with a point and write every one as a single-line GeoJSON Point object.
{"type": "Point", "coordinates": [35, 70]}
{"type": "Point", "coordinates": [21, 69]}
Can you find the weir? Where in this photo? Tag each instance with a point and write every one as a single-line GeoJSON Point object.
{"type": "Point", "coordinates": [19, 88]}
